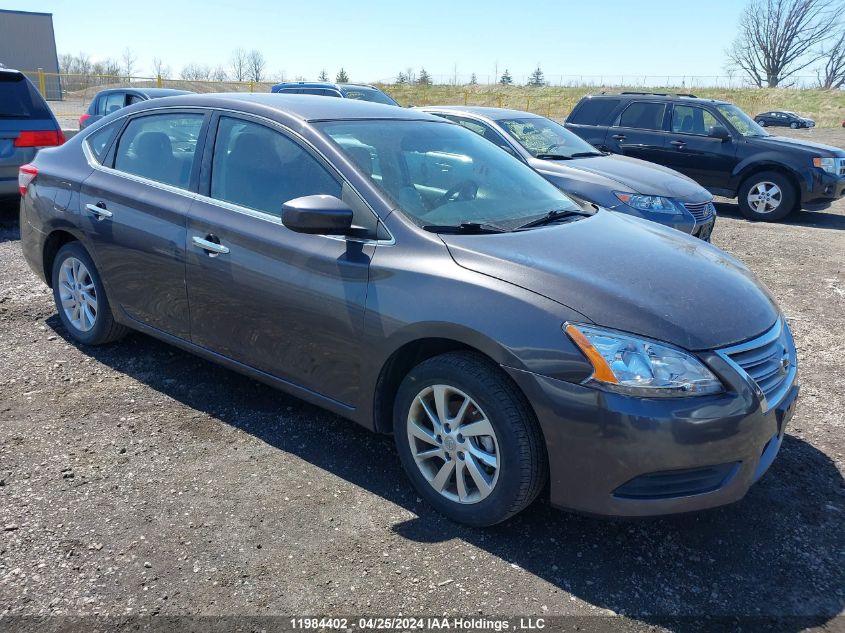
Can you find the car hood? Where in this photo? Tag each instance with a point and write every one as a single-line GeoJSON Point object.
{"type": "Point", "coordinates": [776, 143]}
{"type": "Point", "coordinates": [631, 275]}
{"type": "Point", "coordinates": [623, 173]}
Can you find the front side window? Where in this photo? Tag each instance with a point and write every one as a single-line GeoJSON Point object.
{"type": "Point", "coordinates": [643, 115]}
{"type": "Point", "coordinates": [743, 123]}
{"type": "Point", "coordinates": [544, 137]}
{"type": "Point", "coordinates": [113, 102]}
{"type": "Point", "coordinates": [692, 120]}
{"type": "Point", "coordinates": [441, 174]}
{"type": "Point", "coordinates": [161, 147]}
{"type": "Point", "coordinates": [260, 168]}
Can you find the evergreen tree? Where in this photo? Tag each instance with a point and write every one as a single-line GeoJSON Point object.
{"type": "Point", "coordinates": [506, 79]}
{"type": "Point", "coordinates": [324, 76]}
{"type": "Point", "coordinates": [424, 78]}
{"type": "Point", "coordinates": [401, 78]}
{"type": "Point", "coordinates": [473, 81]}
{"type": "Point", "coordinates": [341, 77]}
{"type": "Point", "coordinates": [537, 78]}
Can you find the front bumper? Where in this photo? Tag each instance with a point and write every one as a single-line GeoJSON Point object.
{"type": "Point", "coordinates": [616, 455]}
{"type": "Point", "coordinates": [821, 189]}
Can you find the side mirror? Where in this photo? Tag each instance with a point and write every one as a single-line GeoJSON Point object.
{"type": "Point", "coordinates": [720, 132]}
{"type": "Point", "coordinates": [317, 215]}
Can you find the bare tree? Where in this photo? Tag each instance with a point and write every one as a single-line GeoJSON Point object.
{"type": "Point", "coordinates": [832, 74]}
{"type": "Point", "coordinates": [238, 64]}
{"type": "Point", "coordinates": [129, 58]}
{"type": "Point", "coordinates": [195, 72]}
{"type": "Point", "coordinates": [779, 38]}
{"type": "Point", "coordinates": [256, 65]}
{"type": "Point", "coordinates": [160, 68]}
{"type": "Point", "coordinates": [219, 74]}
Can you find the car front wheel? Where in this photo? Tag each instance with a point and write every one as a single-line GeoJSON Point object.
{"type": "Point", "coordinates": [81, 298]}
{"type": "Point", "coordinates": [768, 196]}
{"type": "Point", "coordinates": [761, 123]}
{"type": "Point", "coordinates": [468, 439]}
{"type": "Point", "coordinates": [794, 125]}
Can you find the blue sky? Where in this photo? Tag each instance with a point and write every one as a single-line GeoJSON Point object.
{"type": "Point", "coordinates": [374, 40]}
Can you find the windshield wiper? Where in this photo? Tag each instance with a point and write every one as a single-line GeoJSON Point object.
{"type": "Point", "coordinates": [467, 228]}
{"type": "Point", "coordinates": [552, 156]}
{"type": "Point", "coordinates": [586, 154]}
{"type": "Point", "coordinates": [550, 218]}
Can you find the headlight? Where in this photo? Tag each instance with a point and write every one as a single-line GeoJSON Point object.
{"type": "Point", "coordinates": [655, 204]}
{"type": "Point", "coordinates": [636, 366]}
{"type": "Point", "coordinates": [828, 164]}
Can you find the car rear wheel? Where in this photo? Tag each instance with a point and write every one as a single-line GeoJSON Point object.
{"type": "Point", "coordinates": [767, 196]}
{"type": "Point", "coordinates": [81, 299]}
{"type": "Point", "coordinates": [468, 439]}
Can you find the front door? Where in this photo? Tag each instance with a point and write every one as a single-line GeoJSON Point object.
{"type": "Point", "coordinates": [288, 304]}
{"type": "Point", "coordinates": [135, 207]}
{"type": "Point", "coordinates": [691, 151]}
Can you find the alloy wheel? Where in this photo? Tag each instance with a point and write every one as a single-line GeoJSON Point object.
{"type": "Point", "coordinates": [453, 444]}
{"type": "Point", "coordinates": [765, 197]}
{"type": "Point", "coordinates": [78, 294]}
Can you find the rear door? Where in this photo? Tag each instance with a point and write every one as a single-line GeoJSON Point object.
{"type": "Point", "coordinates": [690, 150]}
{"type": "Point", "coordinates": [135, 208]}
{"type": "Point", "coordinates": [591, 118]}
{"type": "Point", "coordinates": [639, 131]}
{"type": "Point", "coordinates": [288, 304]}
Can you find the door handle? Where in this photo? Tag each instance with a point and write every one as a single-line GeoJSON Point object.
{"type": "Point", "coordinates": [99, 210]}
{"type": "Point", "coordinates": [618, 137]}
{"type": "Point", "coordinates": [210, 244]}
{"type": "Point", "coordinates": [678, 144]}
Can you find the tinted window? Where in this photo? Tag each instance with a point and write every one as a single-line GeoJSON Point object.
{"type": "Point", "coordinates": [594, 112]}
{"type": "Point", "coordinates": [643, 115]}
{"type": "Point", "coordinates": [442, 174]}
{"type": "Point", "coordinates": [19, 99]}
{"type": "Point", "coordinates": [130, 99]}
{"type": "Point", "coordinates": [100, 140]}
{"type": "Point", "coordinates": [692, 120]}
{"type": "Point", "coordinates": [259, 168]}
{"type": "Point", "coordinates": [320, 91]}
{"type": "Point", "coordinates": [160, 147]}
{"type": "Point", "coordinates": [369, 94]}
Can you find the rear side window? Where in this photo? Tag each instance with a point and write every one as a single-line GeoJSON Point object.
{"type": "Point", "coordinates": [19, 99]}
{"type": "Point", "coordinates": [594, 112]}
{"type": "Point", "coordinates": [160, 147]}
{"type": "Point", "coordinates": [643, 115]}
{"type": "Point", "coordinates": [100, 140]}
{"type": "Point", "coordinates": [259, 168]}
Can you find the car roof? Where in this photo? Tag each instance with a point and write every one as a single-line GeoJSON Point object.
{"type": "Point", "coordinates": [301, 107]}
{"type": "Point", "coordinates": [150, 92]}
{"type": "Point", "coordinates": [320, 84]}
{"type": "Point", "coordinates": [495, 114]}
{"type": "Point", "coordinates": [655, 96]}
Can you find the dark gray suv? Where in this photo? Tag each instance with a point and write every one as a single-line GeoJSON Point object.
{"type": "Point", "coordinates": [403, 272]}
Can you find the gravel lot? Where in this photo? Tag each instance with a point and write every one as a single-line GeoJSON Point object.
{"type": "Point", "coordinates": [137, 479]}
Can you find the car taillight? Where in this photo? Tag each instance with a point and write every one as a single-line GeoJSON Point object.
{"type": "Point", "coordinates": [83, 119]}
{"type": "Point", "coordinates": [26, 174]}
{"type": "Point", "coordinates": [40, 138]}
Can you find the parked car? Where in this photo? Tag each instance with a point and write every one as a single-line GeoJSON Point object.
{"type": "Point", "coordinates": [403, 272]}
{"type": "Point", "coordinates": [345, 91]}
{"type": "Point", "coordinates": [717, 145]}
{"type": "Point", "coordinates": [619, 183]}
{"type": "Point", "coordinates": [107, 101]}
{"type": "Point", "coordinates": [783, 119]}
{"type": "Point", "coordinates": [26, 124]}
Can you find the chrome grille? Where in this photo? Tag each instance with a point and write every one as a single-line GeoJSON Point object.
{"type": "Point", "coordinates": [701, 211]}
{"type": "Point", "coordinates": [769, 360]}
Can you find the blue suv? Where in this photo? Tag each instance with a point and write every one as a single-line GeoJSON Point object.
{"type": "Point", "coordinates": [346, 91]}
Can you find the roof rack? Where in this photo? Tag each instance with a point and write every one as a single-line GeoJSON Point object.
{"type": "Point", "coordinates": [660, 94]}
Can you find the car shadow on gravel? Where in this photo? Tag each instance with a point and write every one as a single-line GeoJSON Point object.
{"type": "Point", "coordinates": [779, 553]}
{"type": "Point", "coordinates": [810, 219]}
{"type": "Point", "coordinates": [10, 230]}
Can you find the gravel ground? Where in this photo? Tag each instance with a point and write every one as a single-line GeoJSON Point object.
{"type": "Point", "coordinates": [136, 479]}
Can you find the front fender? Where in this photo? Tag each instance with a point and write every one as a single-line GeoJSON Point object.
{"type": "Point", "coordinates": [769, 160]}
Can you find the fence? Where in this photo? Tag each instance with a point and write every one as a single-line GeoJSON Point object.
{"type": "Point", "coordinates": [71, 94]}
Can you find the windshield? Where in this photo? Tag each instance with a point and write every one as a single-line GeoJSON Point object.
{"type": "Point", "coordinates": [369, 94]}
{"type": "Point", "coordinates": [543, 136]}
{"type": "Point", "coordinates": [743, 123]}
{"type": "Point", "coordinates": [441, 174]}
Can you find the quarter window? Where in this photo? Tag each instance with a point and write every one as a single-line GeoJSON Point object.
{"type": "Point", "coordinates": [160, 147]}
{"type": "Point", "coordinates": [643, 115]}
{"type": "Point", "coordinates": [100, 140]}
{"type": "Point", "coordinates": [594, 112]}
{"type": "Point", "coordinates": [692, 120]}
{"type": "Point", "coordinates": [259, 168]}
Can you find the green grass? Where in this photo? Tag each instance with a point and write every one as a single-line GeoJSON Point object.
{"type": "Point", "coordinates": [827, 107]}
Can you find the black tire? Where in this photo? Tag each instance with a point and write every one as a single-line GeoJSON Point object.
{"type": "Point", "coordinates": [761, 123]}
{"type": "Point", "coordinates": [105, 329]}
{"type": "Point", "coordinates": [523, 466]}
{"type": "Point", "coordinates": [794, 125]}
{"type": "Point", "coordinates": [788, 196]}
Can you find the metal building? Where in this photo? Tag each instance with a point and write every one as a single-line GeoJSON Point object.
{"type": "Point", "coordinates": [27, 43]}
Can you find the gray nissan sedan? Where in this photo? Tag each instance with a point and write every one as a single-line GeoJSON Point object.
{"type": "Point", "coordinates": [403, 272]}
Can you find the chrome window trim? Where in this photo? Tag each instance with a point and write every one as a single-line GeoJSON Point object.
{"type": "Point", "coordinates": [193, 195]}
{"type": "Point", "coordinates": [772, 334]}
